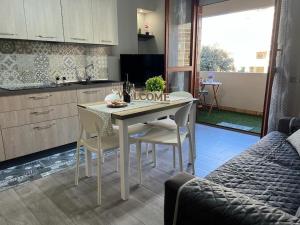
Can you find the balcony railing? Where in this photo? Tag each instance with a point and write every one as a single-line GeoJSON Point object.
{"type": "Point", "coordinates": [241, 99]}
{"type": "Point", "coordinates": [241, 92]}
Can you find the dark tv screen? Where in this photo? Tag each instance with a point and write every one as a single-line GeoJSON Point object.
{"type": "Point", "coordinates": [141, 67]}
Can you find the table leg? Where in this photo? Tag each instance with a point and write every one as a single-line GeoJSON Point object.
{"type": "Point", "coordinates": [215, 100]}
{"type": "Point", "coordinates": [88, 163]}
{"type": "Point", "coordinates": [216, 90]}
{"type": "Point", "coordinates": [192, 121]}
{"type": "Point", "coordinates": [124, 158]}
{"type": "Point", "coordinates": [202, 95]}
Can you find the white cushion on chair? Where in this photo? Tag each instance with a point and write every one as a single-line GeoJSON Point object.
{"type": "Point", "coordinates": [162, 136]}
{"type": "Point", "coordinates": [107, 143]}
{"type": "Point", "coordinates": [139, 128]}
{"type": "Point", "coordinates": [294, 140]}
{"type": "Point", "coordinates": [165, 123]}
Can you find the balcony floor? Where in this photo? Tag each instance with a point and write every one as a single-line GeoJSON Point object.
{"type": "Point", "coordinates": [233, 120]}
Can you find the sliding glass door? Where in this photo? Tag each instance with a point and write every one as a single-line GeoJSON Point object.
{"type": "Point", "coordinates": [180, 44]}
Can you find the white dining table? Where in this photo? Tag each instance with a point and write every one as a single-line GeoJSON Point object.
{"type": "Point", "coordinates": [125, 118]}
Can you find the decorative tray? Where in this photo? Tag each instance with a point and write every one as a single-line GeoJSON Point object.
{"type": "Point", "coordinates": [118, 105]}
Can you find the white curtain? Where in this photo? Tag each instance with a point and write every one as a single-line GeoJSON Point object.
{"type": "Point", "coordinates": [285, 99]}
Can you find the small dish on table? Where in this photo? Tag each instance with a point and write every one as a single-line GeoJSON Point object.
{"type": "Point", "coordinates": [116, 104]}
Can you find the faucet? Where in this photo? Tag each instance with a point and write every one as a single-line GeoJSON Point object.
{"type": "Point", "coordinates": [87, 77]}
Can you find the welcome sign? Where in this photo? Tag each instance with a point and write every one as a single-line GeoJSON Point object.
{"type": "Point", "coordinates": [148, 96]}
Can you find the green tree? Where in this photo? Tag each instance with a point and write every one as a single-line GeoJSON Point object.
{"type": "Point", "coordinates": [216, 59]}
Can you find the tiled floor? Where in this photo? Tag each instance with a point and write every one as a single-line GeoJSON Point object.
{"type": "Point", "coordinates": [54, 199]}
{"type": "Point", "coordinates": [216, 146]}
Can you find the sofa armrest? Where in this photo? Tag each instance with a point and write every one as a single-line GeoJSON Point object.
{"type": "Point", "coordinates": [289, 125]}
{"type": "Point", "coordinates": [284, 125]}
{"type": "Point", "coordinates": [171, 189]}
{"type": "Point", "coordinates": [204, 202]}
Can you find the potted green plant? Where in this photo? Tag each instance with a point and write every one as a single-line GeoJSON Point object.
{"type": "Point", "coordinates": [155, 84]}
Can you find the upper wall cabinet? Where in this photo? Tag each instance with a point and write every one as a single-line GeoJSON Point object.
{"type": "Point", "coordinates": [105, 24]}
{"type": "Point", "coordinates": [44, 20]}
{"type": "Point", "coordinates": [12, 19]}
{"type": "Point", "coordinates": [77, 20]}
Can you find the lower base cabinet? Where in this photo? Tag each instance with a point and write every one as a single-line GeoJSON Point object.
{"type": "Point", "coordinates": [2, 155]}
{"type": "Point", "coordinates": [27, 139]}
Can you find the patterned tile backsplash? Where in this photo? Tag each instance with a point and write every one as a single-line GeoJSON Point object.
{"type": "Point", "coordinates": [24, 62]}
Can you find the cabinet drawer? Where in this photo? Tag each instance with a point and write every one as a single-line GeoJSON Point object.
{"type": "Point", "coordinates": [11, 103]}
{"type": "Point", "coordinates": [91, 95]}
{"type": "Point", "coordinates": [27, 139]}
{"type": "Point", "coordinates": [2, 155]}
{"type": "Point", "coordinates": [36, 115]}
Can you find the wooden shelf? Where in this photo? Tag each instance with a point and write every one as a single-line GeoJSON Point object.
{"type": "Point", "coordinates": [145, 37]}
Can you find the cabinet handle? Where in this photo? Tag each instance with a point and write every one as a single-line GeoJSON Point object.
{"type": "Point", "coordinates": [41, 113]}
{"type": "Point", "coordinates": [44, 127]}
{"type": "Point", "coordinates": [7, 34]}
{"type": "Point", "coordinates": [39, 97]}
{"type": "Point", "coordinates": [106, 41]}
{"type": "Point", "coordinates": [41, 36]}
{"type": "Point", "coordinates": [79, 39]}
{"type": "Point", "coordinates": [90, 92]}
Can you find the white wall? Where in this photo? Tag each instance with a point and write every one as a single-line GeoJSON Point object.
{"type": "Point", "coordinates": [243, 91]}
{"type": "Point", "coordinates": [127, 27]}
{"type": "Point", "coordinates": [156, 20]}
{"type": "Point", "coordinates": [127, 23]}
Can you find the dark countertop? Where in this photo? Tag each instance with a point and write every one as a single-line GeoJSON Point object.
{"type": "Point", "coordinates": [71, 86]}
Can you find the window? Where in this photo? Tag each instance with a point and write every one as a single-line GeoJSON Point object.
{"type": "Point", "coordinates": [237, 42]}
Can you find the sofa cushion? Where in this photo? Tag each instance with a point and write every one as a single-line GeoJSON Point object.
{"type": "Point", "coordinates": [205, 202]}
{"type": "Point", "coordinates": [269, 171]}
{"type": "Point", "coordinates": [294, 140]}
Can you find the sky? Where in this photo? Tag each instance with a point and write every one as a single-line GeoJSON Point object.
{"type": "Point", "coordinates": [241, 34]}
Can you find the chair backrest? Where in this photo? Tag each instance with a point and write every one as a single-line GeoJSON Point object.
{"type": "Point", "coordinates": [91, 122]}
{"type": "Point", "coordinates": [181, 94]}
{"type": "Point", "coordinates": [182, 115]}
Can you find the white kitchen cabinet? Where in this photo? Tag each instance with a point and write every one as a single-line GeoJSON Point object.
{"type": "Point", "coordinates": [27, 139]}
{"type": "Point", "coordinates": [91, 95]}
{"type": "Point", "coordinates": [105, 22]}
{"type": "Point", "coordinates": [12, 19]}
{"type": "Point", "coordinates": [44, 20]}
{"type": "Point", "coordinates": [77, 21]}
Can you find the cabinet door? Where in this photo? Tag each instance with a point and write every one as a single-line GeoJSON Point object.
{"type": "Point", "coordinates": [19, 102]}
{"type": "Point", "coordinates": [36, 115]}
{"type": "Point", "coordinates": [44, 20]}
{"type": "Point", "coordinates": [77, 21]}
{"type": "Point", "coordinates": [91, 95]}
{"type": "Point", "coordinates": [27, 139]}
{"type": "Point", "coordinates": [12, 19]}
{"type": "Point", "coordinates": [105, 22]}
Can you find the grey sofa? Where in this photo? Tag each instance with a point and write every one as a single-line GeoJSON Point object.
{"type": "Point", "coordinates": [260, 186]}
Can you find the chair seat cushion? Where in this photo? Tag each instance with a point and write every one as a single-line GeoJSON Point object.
{"type": "Point", "coordinates": [162, 136]}
{"type": "Point", "coordinates": [165, 123]}
{"type": "Point", "coordinates": [136, 129]}
{"type": "Point", "coordinates": [107, 143]}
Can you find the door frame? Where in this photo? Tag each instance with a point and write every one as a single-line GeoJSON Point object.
{"type": "Point", "coordinates": [272, 67]}
{"type": "Point", "coordinates": [192, 68]}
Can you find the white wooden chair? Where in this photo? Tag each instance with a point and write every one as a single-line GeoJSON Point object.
{"type": "Point", "coordinates": [158, 135]}
{"type": "Point", "coordinates": [167, 123]}
{"type": "Point", "coordinates": [93, 139]}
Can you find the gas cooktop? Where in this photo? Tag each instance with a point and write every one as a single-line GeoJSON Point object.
{"type": "Point", "coordinates": [14, 87]}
